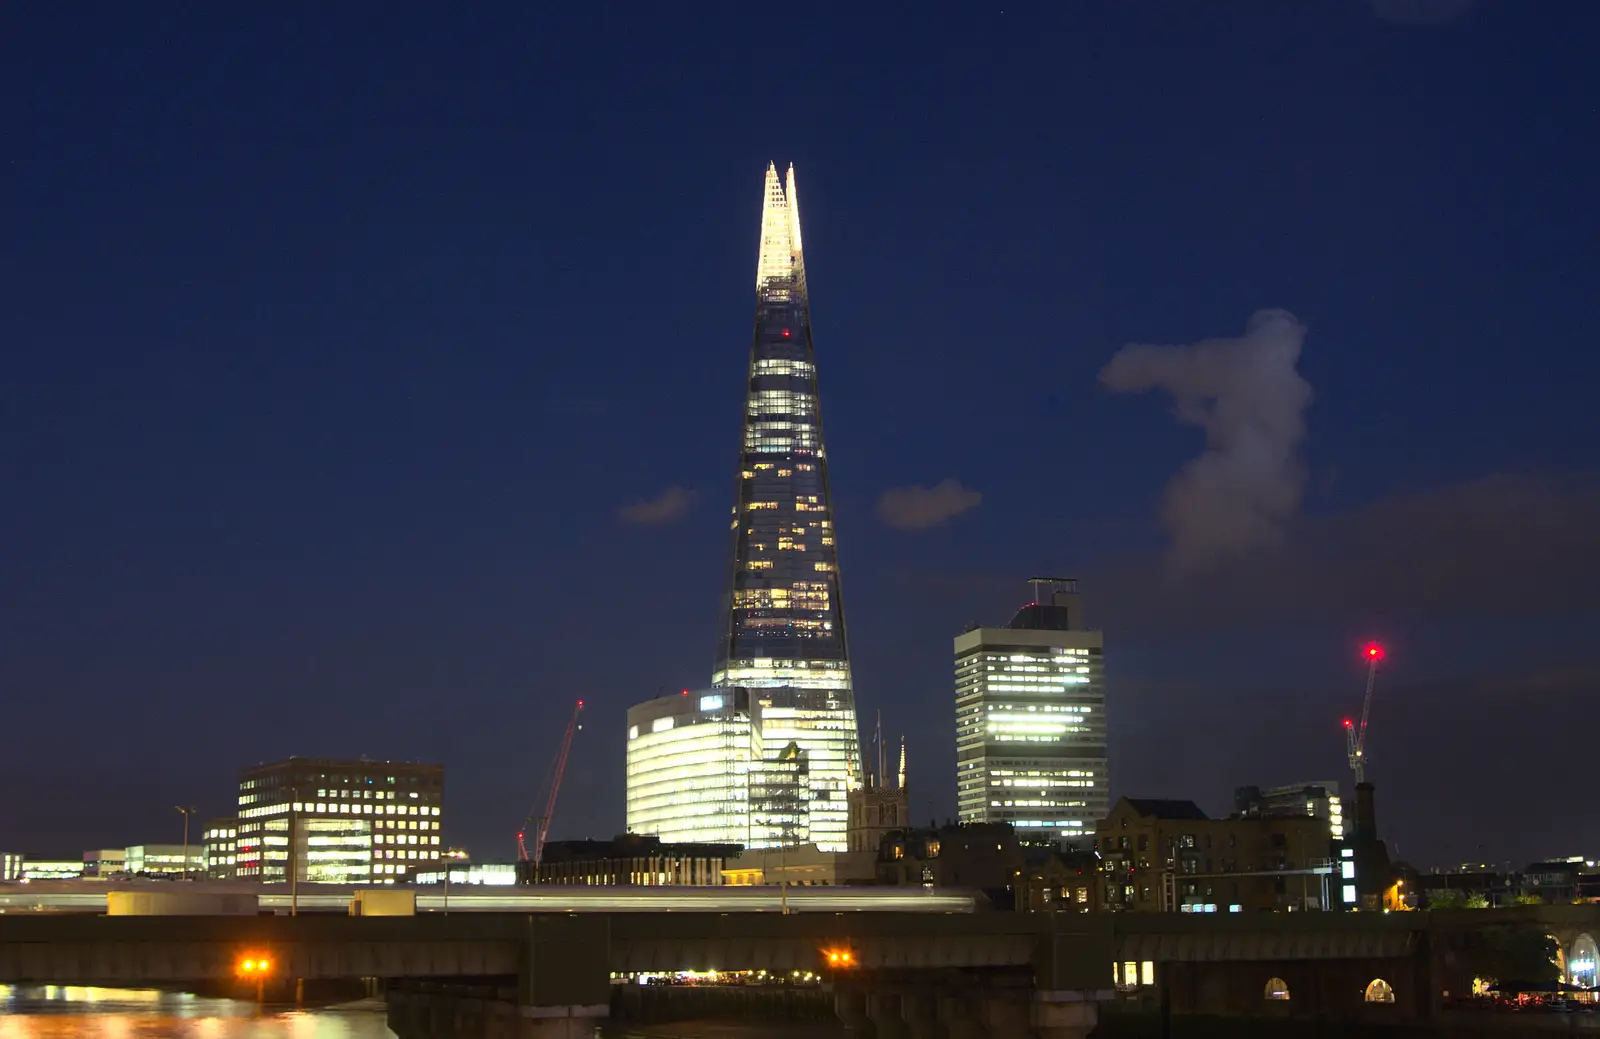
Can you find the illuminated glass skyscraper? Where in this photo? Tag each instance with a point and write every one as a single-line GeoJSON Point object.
{"type": "Point", "coordinates": [785, 775]}
{"type": "Point", "coordinates": [1030, 720]}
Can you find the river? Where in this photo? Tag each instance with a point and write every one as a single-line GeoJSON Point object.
{"type": "Point", "coordinates": [63, 1012]}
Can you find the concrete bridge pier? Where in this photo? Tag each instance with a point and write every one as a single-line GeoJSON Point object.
{"type": "Point", "coordinates": [961, 1016]}
{"type": "Point", "coordinates": [562, 991]}
{"type": "Point", "coordinates": [919, 1009]}
{"type": "Point", "coordinates": [1006, 1013]}
{"type": "Point", "coordinates": [884, 1010]}
{"type": "Point", "coordinates": [1064, 1014]}
{"type": "Point", "coordinates": [850, 1004]}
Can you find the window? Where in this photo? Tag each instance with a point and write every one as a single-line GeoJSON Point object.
{"type": "Point", "coordinates": [1277, 988]}
{"type": "Point", "coordinates": [1379, 991]}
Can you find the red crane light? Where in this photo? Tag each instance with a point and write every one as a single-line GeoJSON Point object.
{"type": "Point", "coordinates": [1347, 723]}
{"type": "Point", "coordinates": [1374, 651]}
{"type": "Point", "coordinates": [580, 703]}
{"type": "Point", "coordinates": [786, 333]}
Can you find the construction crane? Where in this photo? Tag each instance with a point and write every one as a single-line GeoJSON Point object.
{"type": "Point", "coordinates": [541, 824]}
{"type": "Point", "coordinates": [1355, 736]}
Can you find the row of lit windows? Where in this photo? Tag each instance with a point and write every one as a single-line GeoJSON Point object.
{"type": "Point", "coordinates": [338, 808]}
{"type": "Point", "coordinates": [782, 366]}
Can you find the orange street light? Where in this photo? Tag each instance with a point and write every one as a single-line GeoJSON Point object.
{"type": "Point", "coordinates": [255, 967]}
{"type": "Point", "coordinates": [840, 959]}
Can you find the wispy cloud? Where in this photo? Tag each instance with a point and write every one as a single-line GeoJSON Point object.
{"type": "Point", "coordinates": [669, 506]}
{"type": "Point", "coordinates": [1496, 546]}
{"type": "Point", "coordinates": [1250, 400]}
{"type": "Point", "coordinates": [919, 508]}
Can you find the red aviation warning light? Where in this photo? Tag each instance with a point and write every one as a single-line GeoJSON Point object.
{"type": "Point", "coordinates": [1347, 723]}
{"type": "Point", "coordinates": [1374, 651]}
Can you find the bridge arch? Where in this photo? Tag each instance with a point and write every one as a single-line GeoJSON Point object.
{"type": "Point", "coordinates": [1379, 991]}
{"type": "Point", "coordinates": [1583, 964]}
{"type": "Point", "coordinates": [1277, 988]}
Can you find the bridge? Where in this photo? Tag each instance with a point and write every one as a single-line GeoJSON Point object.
{"type": "Point", "coordinates": [987, 975]}
{"type": "Point", "coordinates": [79, 896]}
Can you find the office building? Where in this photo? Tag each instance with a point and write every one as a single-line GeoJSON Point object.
{"type": "Point", "coordinates": [219, 841]}
{"type": "Point", "coordinates": [769, 755]}
{"type": "Point", "coordinates": [688, 762]}
{"type": "Point", "coordinates": [632, 860]}
{"type": "Point", "coordinates": [338, 822]}
{"type": "Point", "coordinates": [1554, 881]}
{"type": "Point", "coordinates": [163, 860]}
{"type": "Point", "coordinates": [105, 862]}
{"type": "Point", "coordinates": [1163, 856]}
{"type": "Point", "coordinates": [11, 866]}
{"type": "Point", "coordinates": [46, 868]}
{"type": "Point", "coordinates": [1319, 800]}
{"type": "Point", "coordinates": [485, 874]}
{"type": "Point", "coordinates": [1030, 720]}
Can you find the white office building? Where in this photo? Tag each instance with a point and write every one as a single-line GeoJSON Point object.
{"type": "Point", "coordinates": [1030, 721]}
{"type": "Point", "coordinates": [760, 767]}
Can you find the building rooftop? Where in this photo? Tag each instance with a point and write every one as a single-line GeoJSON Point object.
{"type": "Point", "coordinates": [1162, 808]}
{"type": "Point", "coordinates": [632, 846]}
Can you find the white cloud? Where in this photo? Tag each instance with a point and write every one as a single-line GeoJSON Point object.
{"type": "Point", "coordinates": [669, 506]}
{"type": "Point", "coordinates": [1247, 396]}
{"type": "Point", "coordinates": [919, 508]}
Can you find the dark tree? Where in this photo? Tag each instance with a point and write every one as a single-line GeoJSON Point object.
{"type": "Point", "coordinates": [1508, 953]}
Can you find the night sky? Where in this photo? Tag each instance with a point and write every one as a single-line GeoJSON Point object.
{"type": "Point", "coordinates": [373, 375]}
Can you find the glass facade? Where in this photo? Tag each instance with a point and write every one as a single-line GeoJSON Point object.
{"type": "Point", "coordinates": [688, 768]}
{"type": "Point", "coordinates": [783, 633]}
{"type": "Point", "coordinates": [769, 755]}
{"type": "Point", "coordinates": [1030, 723]}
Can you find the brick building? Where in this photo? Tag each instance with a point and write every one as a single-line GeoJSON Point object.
{"type": "Point", "coordinates": [1169, 856]}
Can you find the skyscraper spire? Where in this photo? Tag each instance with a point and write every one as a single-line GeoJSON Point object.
{"type": "Point", "coordinates": [902, 762]}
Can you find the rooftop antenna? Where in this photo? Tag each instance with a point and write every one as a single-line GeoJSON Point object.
{"type": "Point", "coordinates": [1043, 586]}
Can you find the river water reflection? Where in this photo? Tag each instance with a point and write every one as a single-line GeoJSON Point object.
{"type": "Point", "coordinates": [64, 1012]}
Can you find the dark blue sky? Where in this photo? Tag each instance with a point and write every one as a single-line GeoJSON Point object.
{"type": "Point", "coordinates": [335, 339]}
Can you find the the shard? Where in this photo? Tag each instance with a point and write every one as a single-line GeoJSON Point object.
{"type": "Point", "coordinates": [769, 756]}
{"type": "Point", "coordinates": [783, 631]}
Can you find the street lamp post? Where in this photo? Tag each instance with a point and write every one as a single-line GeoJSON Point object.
{"type": "Point", "coordinates": [185, 812]}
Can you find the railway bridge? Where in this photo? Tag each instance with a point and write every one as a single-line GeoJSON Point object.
{"type": "Point", "coordinates": [974, 975]}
